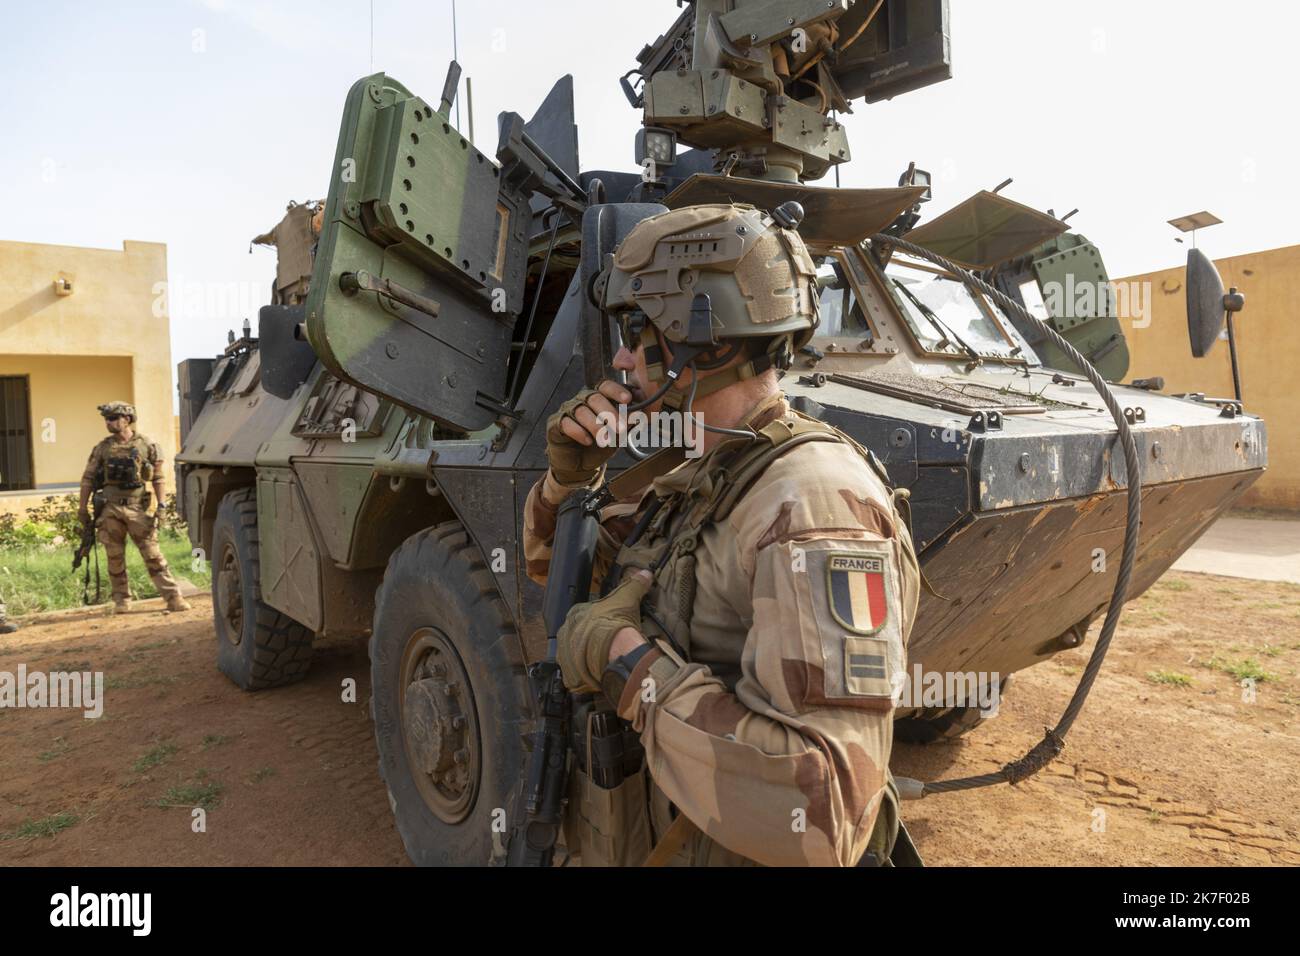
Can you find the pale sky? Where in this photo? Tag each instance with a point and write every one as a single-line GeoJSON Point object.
{"type": "Point", "coordinates": [194, 122]}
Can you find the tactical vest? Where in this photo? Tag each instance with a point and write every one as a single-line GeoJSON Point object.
{"type": "Point", "coordinates": [665, 541]}
{"type": "Point", "coordinates": [125, 468]}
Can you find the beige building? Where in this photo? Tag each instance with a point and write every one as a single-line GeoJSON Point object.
{"type": "Point", "coordinates": [78, 327]}
{"type": "Point", "coordinates": [1268, 355]}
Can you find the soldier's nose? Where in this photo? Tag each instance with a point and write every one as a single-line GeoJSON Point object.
{"type": "Point", "coordinates": [624, 360]}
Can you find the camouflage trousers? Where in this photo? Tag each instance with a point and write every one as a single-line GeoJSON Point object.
{"type": "Point", "coordinates": [116, 523]}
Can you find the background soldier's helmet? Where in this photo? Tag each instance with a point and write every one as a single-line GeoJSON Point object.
{"type": "Point", "coordinates": [118, 408]}
{"type": "Point", "coordinates": [758, 275]}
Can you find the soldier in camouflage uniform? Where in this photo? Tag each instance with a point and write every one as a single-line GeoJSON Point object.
{"type": "Point", "coordinates": [762, 594]}
{"type": "Point", "coordinates": [124, 464]}
{"type": "Point", "coordinates": [294, 238]}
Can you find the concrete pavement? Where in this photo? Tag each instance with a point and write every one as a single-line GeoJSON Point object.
{"type": "Point", "coordinates": [1265, 549]}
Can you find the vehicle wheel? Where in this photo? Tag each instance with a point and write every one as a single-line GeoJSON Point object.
{"type": "Point", "coordinates": [948, 725]}
{"type": "Point", "coordinates": [450, 700]}
{"type": "Point", "coordinates": [257, 646]}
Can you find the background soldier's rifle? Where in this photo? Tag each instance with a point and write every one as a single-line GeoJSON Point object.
{"type": "Point", "coordinates": [87, 548]}
{"type": "Point", "coordinates": [539, 812]}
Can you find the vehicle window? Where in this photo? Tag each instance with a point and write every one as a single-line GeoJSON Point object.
{"type": "Point", "coordinates": [942, 312]}
{"type": "Point", "coordinates": [840, 312]}
{"type": "Point", "coordinates": [1033, 299]}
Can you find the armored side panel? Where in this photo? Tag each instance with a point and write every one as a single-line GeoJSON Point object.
{"type": "Point", "coordinates": [287, 360]}
{"type": "Point", "coordinates": [191, 380]}
{"type": "Point", "coordinates": [290, 563]}
{"type": "Point", "coordinates": [238, 414]}
{"type": "Point", "coordinates": [1066, 281]}
{"type": "Point", "coordinates": [419, 273]}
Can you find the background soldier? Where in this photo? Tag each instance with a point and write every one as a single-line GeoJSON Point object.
{"type": "Point", "coordinates": [125, 463]}
{"type": "Point", "coordinates": [6, 626]}
{"type": "Point", "coordinates": [767, 588]}
{"type": "Point", "coordinates": [294, 238]}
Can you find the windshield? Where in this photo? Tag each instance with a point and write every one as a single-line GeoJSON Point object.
{"type": "Point", "coordinates": [942, 312]}
{"type": "Point", "coordinates": [840, 312]}
{"type": "Point", "coordinates": [1032, 296]}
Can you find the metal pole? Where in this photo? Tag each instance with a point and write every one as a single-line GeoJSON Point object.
{"type": "Point", "coordinates": [469, 97]}
{"type": "Point", "coordinates": [1232, 350]}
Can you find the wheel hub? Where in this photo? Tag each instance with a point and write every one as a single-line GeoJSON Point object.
{"type": "Point", "coordinates": [439, 727]}
{"type": "Point", "coordinates": [230, 596]}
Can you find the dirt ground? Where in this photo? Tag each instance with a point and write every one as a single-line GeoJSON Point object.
{"type": "Point", "coordinates": [1168, 764]}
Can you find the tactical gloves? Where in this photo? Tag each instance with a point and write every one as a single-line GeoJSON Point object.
{"type": "Point", "coordinates": [574, 464]}
{"type": "Point", "coordinates": [588, 632]}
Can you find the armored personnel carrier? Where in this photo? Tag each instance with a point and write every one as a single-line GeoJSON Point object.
{"type": "Point", "coordinates": [359, 467]}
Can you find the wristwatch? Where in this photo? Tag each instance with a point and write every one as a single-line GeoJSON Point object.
{"type": "Point", "coordinates": [619, 671]}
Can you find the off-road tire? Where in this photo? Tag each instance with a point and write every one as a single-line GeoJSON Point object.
{"type": "Point", "coordinates": [439, 610]}
{"type": "Point", "coordinates": [955, 723]}
{"type": "Point", "coordinates": [257, 646]}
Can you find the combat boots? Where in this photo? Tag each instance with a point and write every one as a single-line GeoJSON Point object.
{"type": "Point", "coordinates": [177, 603]}
{"type": "Point", "coordinates": [121, 605]}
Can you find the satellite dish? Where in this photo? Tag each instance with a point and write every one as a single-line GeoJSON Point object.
{"type": "Point", "coordinates": [1205, 306]}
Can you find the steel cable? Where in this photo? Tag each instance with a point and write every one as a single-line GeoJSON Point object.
{"type": "Point", "coordinates": [1053, 741]}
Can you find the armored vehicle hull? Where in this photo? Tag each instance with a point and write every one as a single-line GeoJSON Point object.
{"type": "Point", "coordinates": [1017, 486]}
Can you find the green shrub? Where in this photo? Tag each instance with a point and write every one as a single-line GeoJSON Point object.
{"type": "Point", "coordinates": [35, 579]}
{"type": "Point", "coordinates": [8, 530]}
{"type": "Point", "coordinates": [56, 515]}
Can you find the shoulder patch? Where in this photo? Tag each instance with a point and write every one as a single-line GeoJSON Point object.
{"type": "Point", "coordinates": [856, 588]}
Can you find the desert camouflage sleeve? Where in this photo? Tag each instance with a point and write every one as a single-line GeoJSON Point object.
{"type": "Point", "coordinates": [544, 500]}
{"type": "Point", "coordinates": [790, 768]}
{"type": "Point", "coordinates": [92, 466]}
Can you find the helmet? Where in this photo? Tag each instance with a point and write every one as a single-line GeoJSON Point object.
{"type": "Point", "coordinates": [756, 273]}
{"type": "Point", "coordinates": [118, 408]}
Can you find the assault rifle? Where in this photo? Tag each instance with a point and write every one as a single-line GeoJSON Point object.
{"type": "Point", "coordinates": [539, 812]}
{"type": "Point", "coordinates": [87, 547]}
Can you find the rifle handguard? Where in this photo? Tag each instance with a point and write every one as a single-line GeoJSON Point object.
{"type": "Point", "coordinates": [539, 812]}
